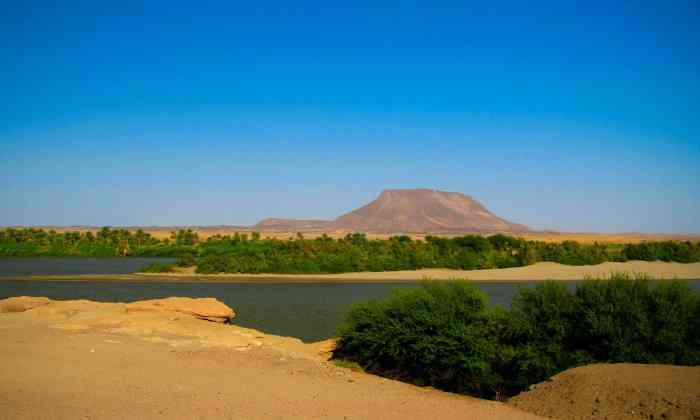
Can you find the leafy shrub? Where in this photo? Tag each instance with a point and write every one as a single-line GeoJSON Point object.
{"type": "Point", "coordinates": [213, 263]}
{"type": "Point", "coordinates": [634, 320]}
{"type": "Point", "coordinates": [439, 335]}
{"type": "Point", "coordinates": [445, 334]}
{"type": "Point", "coordinates": [186, 260]}
{"type": "Point", "coordinates": [684, 252]}
{"type": "Point", "coordinates": [159, 268]}
{"type": "Point", "coordinates": [538, 330]}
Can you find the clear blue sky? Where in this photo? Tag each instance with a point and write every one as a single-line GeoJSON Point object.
{"type": "Point", "coordinates": [578, 116]}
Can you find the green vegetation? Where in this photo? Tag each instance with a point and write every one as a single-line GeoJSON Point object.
{"type": "Point", "coordinates": [159, 268]}
{"type": "Point", "coordinates": [446, 335]}
{"type": "Point", "coordinates": [348, 364]}
{"type": "Point", "coordinates": [105, 243]}
{"type": "Point", "coordinates": [186, 260]}
{"type": "Point", "coordinates": [238, 254]}
{"type": "Point", "coordinates": [241, 253]}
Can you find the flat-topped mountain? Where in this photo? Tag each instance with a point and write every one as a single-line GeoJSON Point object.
{"type": "Point", "coordinates": [408, 210]}
{"type": "Point", "coordinates": [424, 210]}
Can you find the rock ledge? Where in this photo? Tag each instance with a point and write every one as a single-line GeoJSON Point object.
{"type": "Point", "coordinates": [22, 303]}
{"type": "Point", "coordinates": [209, 309]}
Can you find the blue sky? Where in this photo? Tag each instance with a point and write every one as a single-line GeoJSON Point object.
{"type": "Point", "coordinates": [559, 115]}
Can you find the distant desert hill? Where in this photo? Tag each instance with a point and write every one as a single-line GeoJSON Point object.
{"type": "Point", "coordinates": [409, 211]}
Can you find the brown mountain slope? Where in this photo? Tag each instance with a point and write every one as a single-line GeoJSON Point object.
{"type": "Point", "coordinates": [424, 210]}
{"type": "Point", "coordinates": [407, 211]}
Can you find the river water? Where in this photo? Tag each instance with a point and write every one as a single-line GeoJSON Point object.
{"type": "Point", "coordinates": [310, 312]}
{"type": "Point", "coordinates": [74, 265]}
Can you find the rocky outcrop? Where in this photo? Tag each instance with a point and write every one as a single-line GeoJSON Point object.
{"type": "Point", "coordinates": [176, 321]}
{"type": "Point", "coordinates": [22, 303]}
{"type": "Point", "coordinates": [209, 309]}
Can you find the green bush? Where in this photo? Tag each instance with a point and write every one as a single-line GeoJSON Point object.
{"type": "Point", "coordinates": [684, 252]}
{"type": "Point", "coordinates": [186, 260]}
{"type": "Point", "coordinates": [537, 333]}
{"type": "Point", "coordinates": [158, 268]}
{"type": "Point", "coordinates": [212, 264]}
{"type": "Point", "coordinates": [447, 336]}
{"type": "Point", "coordinates": [635, 320]}
{"type": "Point", "coordinates": [441, 335]}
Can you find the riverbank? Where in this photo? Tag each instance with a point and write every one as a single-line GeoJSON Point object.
{"type": "Point", "coordinates": [82, 359]}
{"type": "Point", "coordinates": [536, 272]}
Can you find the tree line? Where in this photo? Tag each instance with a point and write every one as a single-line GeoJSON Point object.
{"type": "Point", "coordinates": [106, 242]}
{"type": "Point", "coordinates": [244, 253]}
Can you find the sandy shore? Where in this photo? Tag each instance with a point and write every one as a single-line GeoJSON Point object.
{"type": "Point", "coordinates": [536, 272]}
{"type": "Point", "coordinates": [87, 360]}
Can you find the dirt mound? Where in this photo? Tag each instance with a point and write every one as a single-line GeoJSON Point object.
{"type": "Point", "coordinates": [616, 391]}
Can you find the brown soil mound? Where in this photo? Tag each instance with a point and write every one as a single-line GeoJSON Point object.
{"type": "Point", "coordinates": [617, 391]}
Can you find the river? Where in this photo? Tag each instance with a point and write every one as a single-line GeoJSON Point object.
{"type": "Point", "coordinates": [310, 312]}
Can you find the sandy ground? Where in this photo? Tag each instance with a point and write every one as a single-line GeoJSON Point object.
{"type": "Point", "coordinates": [616, 392]}
{"type": "Point", "coordinates": [83, 360]}
{"type": "Point", "coordinates": [205, 232]}
{"type": "Point", "coordinates": [535, 272]}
